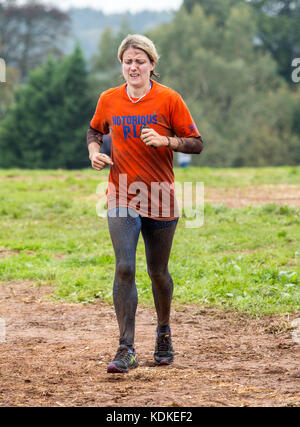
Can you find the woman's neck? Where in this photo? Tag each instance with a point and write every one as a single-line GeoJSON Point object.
{"type": "Point", "coordinates": [137, 92]}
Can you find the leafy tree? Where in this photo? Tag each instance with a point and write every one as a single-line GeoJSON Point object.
{"type": "Point", "coordinates": [88, 25]}
{"type": "Point", "coordinates": [106, 67]}
{"type": "Point", "coordinates": [28, 32]}
{"type": "Point", "coordinates": [279, 31]}
{"type": "Point", "coordinates": [219, 9]}
{"type": "Point", "coordinates": [75, 107]}
{"type": "Point", "coordinates": [46, 127]}
{"type": "Point", "coordinates": [7, 90]}
{"type": "Point", "coordinates": [232, 89]}
{"type": "Point", "coordinates": [295, 145]}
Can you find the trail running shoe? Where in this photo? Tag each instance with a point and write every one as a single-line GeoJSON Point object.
{"type": "Point", "coordinates": [124, 360]}
{"type": "Point", "coordinates": [163, 354]}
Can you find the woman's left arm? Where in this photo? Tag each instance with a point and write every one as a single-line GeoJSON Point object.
{"type": "Point", "coordinates": [190, 145]}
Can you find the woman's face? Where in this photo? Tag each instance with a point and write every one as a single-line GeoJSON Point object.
{"type": "Point", "coordinates": [136, 67]}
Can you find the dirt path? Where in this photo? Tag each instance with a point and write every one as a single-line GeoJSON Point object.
{"type": "Point", "coordinates": [55, 354]}
{"type": "Point", "coordinates": [253, 195]}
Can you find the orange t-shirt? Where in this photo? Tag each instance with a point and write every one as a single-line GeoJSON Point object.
{"type": "Point", "coordinates": [142, 177]}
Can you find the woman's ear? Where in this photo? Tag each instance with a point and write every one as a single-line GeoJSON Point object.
{"type": "Point", "coordinates": [153, 65]}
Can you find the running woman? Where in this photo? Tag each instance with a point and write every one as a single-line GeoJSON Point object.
{"type": "Point", "coordinates": [147, 122]}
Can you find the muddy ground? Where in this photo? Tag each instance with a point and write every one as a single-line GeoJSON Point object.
{"type": "Point", "coordinates": [253, 195]}
{"type": "Point", "coordinates": [56, 354]}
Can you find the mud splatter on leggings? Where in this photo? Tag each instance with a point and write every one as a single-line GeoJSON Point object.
{"type": "Point", "coordinates": [125, 226]}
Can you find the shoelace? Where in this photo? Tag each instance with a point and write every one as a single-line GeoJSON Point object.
{"type": "Point", "coordinates": [123, 354]}
{"type": "Point", "coordinates": [163, 342]}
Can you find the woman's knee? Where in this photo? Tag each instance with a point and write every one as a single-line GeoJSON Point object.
{"type": "Point", "coordinates": [125, 271]}
{"type": "Point", "coordinates": [160, 275]}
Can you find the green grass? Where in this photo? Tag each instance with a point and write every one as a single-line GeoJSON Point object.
{"type": "Point", "coordinates": [240, 177]}
{"type": "Point", "coordinates": [246, 259]}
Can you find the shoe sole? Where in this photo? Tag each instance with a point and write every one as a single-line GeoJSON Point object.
{"type": "Point", "coordinates": [113, 369]}
{"type": "Point", "coordinates": [163, 362]}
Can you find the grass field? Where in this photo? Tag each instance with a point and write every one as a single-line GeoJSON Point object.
{"type": "Point", "coordinates": [246, 259]}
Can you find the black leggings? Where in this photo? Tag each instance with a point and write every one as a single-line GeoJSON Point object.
{"type": "Point", "coordinates": [124, 227]}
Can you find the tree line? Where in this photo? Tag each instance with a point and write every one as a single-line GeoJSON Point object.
{"type": "Point", "coordinates": [230, 60]}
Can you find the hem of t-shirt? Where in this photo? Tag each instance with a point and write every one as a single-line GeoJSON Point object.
{"type": "Point", "coordinates": [146, 215]}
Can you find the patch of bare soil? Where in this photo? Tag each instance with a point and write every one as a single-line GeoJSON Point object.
{"type": "Point", "coordinates": [253, 195]}
{"type": "Point", "coordinates": [4, 252]}
{"type": "Point", "coordinates": [241, 197]}
{"type": "Point", "coordinates": [56, 354]}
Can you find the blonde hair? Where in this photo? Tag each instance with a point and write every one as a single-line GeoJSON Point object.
{"type": "Point", "coordinates": [137, 41]}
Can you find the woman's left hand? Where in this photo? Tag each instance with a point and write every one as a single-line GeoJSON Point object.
{"type": "Point", "coordinates": [152, 138]}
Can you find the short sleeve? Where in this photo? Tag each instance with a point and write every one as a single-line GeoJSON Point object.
{"type": "Point", "coordinates": [99, 120]}
{"type": "Point", "coordinates": [182, 122]}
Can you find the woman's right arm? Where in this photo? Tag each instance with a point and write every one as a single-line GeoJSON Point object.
{"type": "Point", "coordinates": [94, 143]}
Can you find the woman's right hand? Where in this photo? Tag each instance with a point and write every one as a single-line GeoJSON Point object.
{"type": "Point", "coordinates": [100, 160]}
